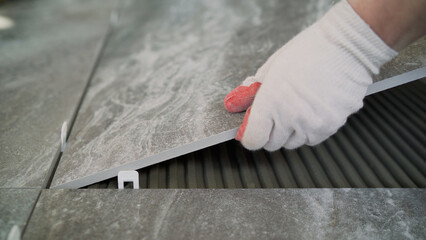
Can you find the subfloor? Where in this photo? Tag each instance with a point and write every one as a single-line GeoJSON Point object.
{"type": "Point", "coordinates": [93, 61]}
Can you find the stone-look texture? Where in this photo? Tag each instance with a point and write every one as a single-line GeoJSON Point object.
{"type": "Point", "coordinates": [46, 59]}
{"type": "Point", "coordinates": [229, 214]}
{"type": "Point", "coordinates": [410, 58]}
{"type": "Point", "coordinates": [165, 72]}
{"type": "Point", "coordinates": [15, 208]}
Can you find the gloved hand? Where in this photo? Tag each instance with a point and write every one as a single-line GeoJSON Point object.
{"type": "Point", "coordinates": [306, 90]}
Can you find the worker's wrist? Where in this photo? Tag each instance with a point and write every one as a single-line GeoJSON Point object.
{"type": "Point", "coordinates": [397, 23]}
{"type": "Point", "coordinates": [346, 30]}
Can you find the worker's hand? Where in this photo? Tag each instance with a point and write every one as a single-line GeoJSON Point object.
{"type": "Point", "coordinates": [306, 90]}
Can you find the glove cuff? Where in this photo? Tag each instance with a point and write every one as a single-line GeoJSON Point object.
{"type": "Point", "coordinates": [343, 26]}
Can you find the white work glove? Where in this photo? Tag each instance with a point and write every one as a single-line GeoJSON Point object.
{"type": "Point", "coordinates": [306, 90]}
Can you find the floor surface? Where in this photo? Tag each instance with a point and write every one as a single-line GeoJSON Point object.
{"type": "Point", "coordinates": [155, 74]}
{"type": "Point", "coordinates": [229, 214]}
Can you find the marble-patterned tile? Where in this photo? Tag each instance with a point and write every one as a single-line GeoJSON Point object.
{"type": "Point", "coordinates": [159, 87]}
{"type": "Point", "coordinates": [229, 214]}
{"type": "Point", "coordinates": [46, 58]}
{"type": "Point", "coordinates": [381, 214]}
{"type": "Point", "coordinates": [15, 208]}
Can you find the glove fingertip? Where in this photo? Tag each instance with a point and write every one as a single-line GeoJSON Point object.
{"type": "Point", "coordinates": [243, 126]}
{"type": "Point", "coordinates": [255, 134]}
{"type": "Point", "coordinates": [239, 99]}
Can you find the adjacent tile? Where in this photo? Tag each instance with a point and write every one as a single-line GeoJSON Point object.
{"type": "Point", "coordinates": [382, 214]}
{"type": "Point", "coordinates": [15, 208]}
{"type": "Point", "coordinates": [229, 214]}
{"type": "Point", "coordinates": [46, 59]}
{"type": "Point", "coordinates": [159, 87]}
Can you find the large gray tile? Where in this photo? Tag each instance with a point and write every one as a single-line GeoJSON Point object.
{"type": "Point", "coordinates": [15, 208]}
{"type": "Point", "coordinates": [229, 214]}
{"type": "Point", "coordinates": [159, 88]}
{"type": "Point", "coordinates": [46, 59]}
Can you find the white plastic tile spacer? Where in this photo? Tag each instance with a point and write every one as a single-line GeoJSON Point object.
{"type": "Point", "coordinates": [14, 233]}
{"type": "Point", "coordinates": [64, 136]}
{"type": "Point", "coordinates": [128, 176]}
{"type": "Point", "coordinates": [5, 22]}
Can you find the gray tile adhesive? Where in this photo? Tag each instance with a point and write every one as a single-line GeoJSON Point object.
{"type": "Point", "coordinates": [158, 90]}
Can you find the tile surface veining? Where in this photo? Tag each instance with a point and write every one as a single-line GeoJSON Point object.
{"type": "Point", "coordinates": [229, 214]}
{"type": "Point", "coordinates": [15, 208]}
{"type": "Point", "coordinates": [164, 73]}
{"type": "Point", "coordinates": [46, 59]}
